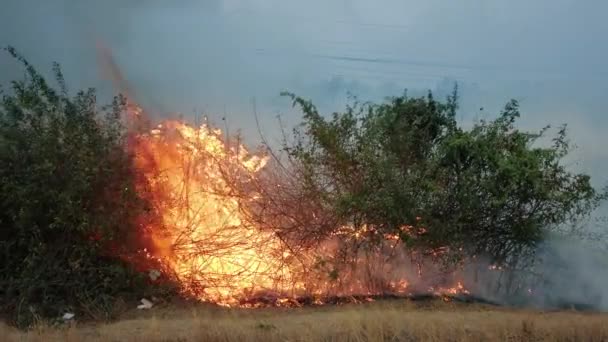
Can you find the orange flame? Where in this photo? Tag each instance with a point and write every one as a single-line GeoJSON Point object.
{"type": "Point", "coordinates": [207, 242]}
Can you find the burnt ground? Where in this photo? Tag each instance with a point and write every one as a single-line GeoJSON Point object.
{"type": "Point", "coordinates": [270, 301]}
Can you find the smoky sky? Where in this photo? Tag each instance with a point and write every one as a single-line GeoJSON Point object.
{"type": "Point", "coordinates": [215, 56]}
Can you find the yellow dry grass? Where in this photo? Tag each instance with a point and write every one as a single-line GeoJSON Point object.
{"type": "Point", "coordinates": [389, 321]}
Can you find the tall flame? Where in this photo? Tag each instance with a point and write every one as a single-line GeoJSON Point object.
{"type": "Point", "coordinates": [205, 239]}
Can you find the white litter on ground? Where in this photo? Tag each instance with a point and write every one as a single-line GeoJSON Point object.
{"type": "Point", "coordinates": [67, 316]}
{"type": "Point", "coordinates": [145, 304]}
{"type": "Point", "coordinates": [154, 274]}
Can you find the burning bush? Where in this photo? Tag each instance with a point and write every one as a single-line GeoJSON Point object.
{"type": "Point", "coordinates": [69, 209]}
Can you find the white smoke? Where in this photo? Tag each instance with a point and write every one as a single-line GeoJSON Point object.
{"type": "Point", "coordinates": [567, 272]}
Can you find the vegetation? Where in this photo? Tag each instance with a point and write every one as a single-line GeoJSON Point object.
{"type": "Point", "coordinates": [405, 167]}
{"type": "Point", "coordinates": [396, 321]}
{"type": "Point", "coordinates": [71, 215]}
{"type": "Point", "coordinates": [68, 205]}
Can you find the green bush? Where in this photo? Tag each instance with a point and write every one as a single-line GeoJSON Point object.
{"type": "Point", "coordinates": [490, 190]}
{"type": "Point", "coordinates": [68, 205]}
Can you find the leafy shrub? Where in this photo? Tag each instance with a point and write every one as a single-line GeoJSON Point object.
{"type": "Point", "coordinates": [406, 168]}
{"type": "Point", "coordinates": [68, 205]}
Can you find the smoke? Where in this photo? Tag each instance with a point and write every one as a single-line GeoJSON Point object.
{"type": "Point", "coordinates": [574, 273]}
{"type": "Point", "coordinates": [564, 272]}
{"type": "Point", "coordinates": [215, 55]}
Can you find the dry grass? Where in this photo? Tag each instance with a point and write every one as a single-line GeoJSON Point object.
{"type": "Point", "coordinates": [389, 321]}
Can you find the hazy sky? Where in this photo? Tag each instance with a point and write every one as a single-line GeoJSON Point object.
{"type": "Point", "coordinates": [216, 55]}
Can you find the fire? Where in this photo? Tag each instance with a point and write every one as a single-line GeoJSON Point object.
{"type": "Point", "coordinates": [204, 239]}
{"type": "Point", "coordinates": [200, 185]}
